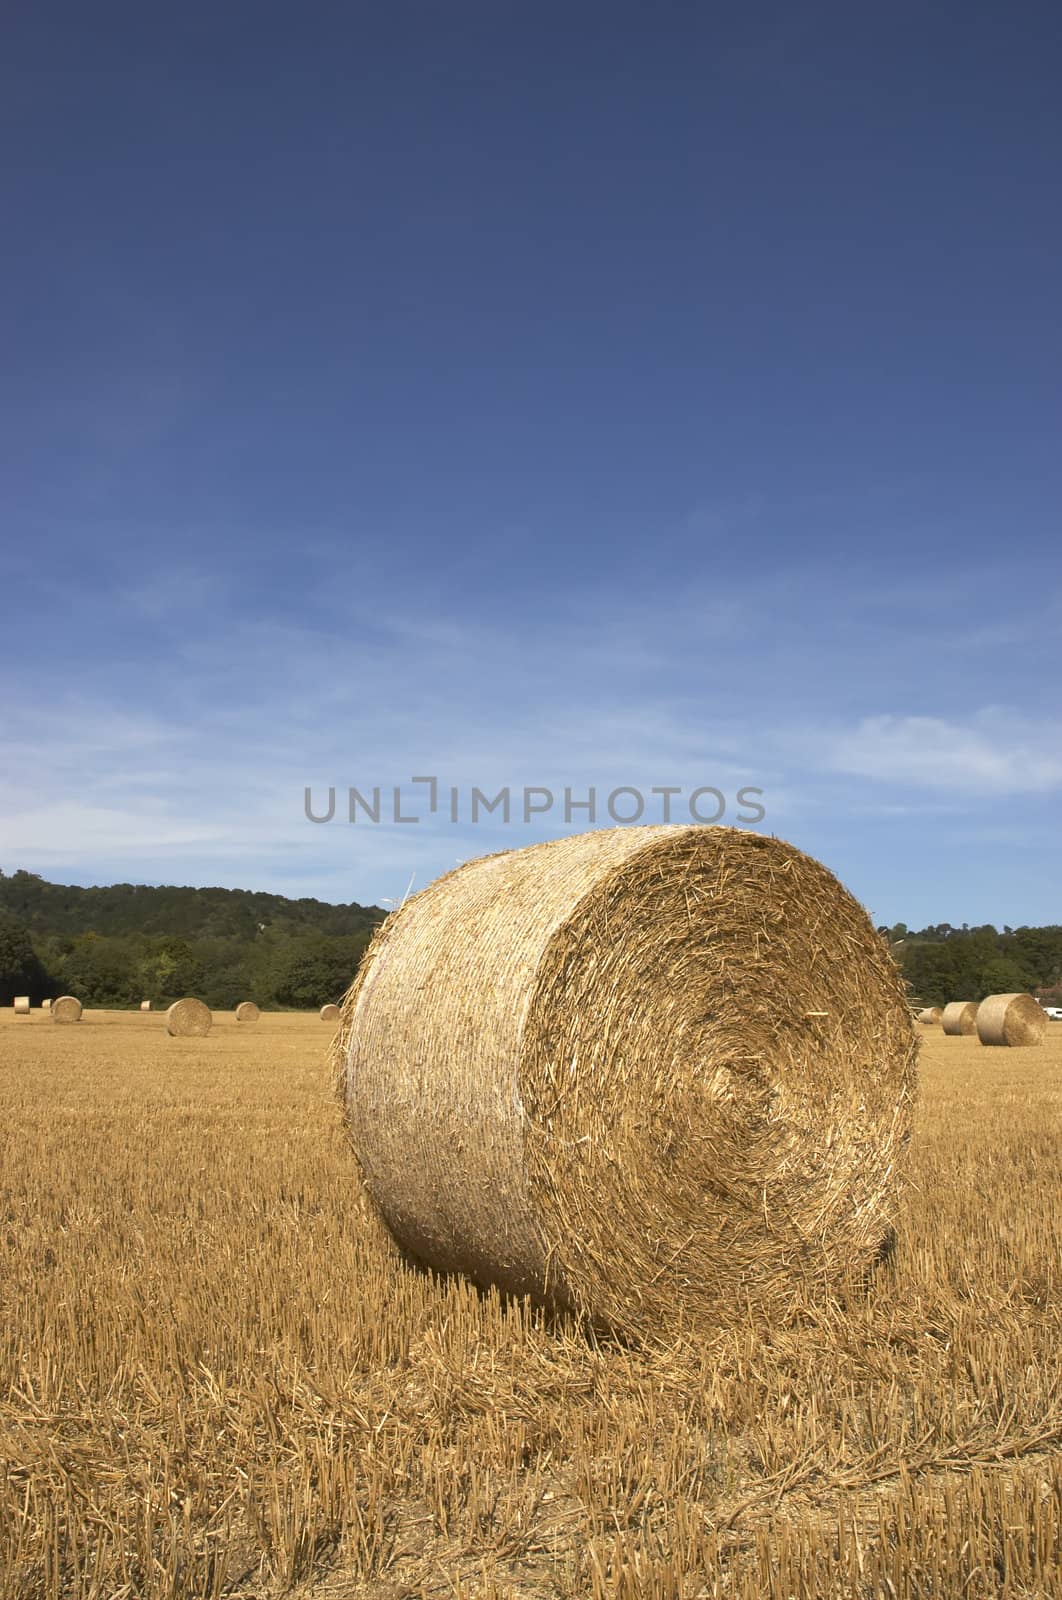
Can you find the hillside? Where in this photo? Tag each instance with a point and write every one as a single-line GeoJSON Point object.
{"type": "Point", "coordinates": [116, 945]}
{"type": "Point", "coordinates": [66, 910]}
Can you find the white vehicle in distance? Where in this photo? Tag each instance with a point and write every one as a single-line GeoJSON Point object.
{"type": "Point", "coordinates": [1054, 1012]}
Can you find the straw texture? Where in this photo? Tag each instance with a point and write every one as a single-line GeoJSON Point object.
{"type": "Point", "coordinates": [66, 1009]}
{"type": "Point", "coordinates": [931, 1014]}
{"type": "Point", "coordinates": [188, 1018]}
{"type": "Point", "coordinates": [22, 1005]}
{"type": "Point", "coordinates": [648, 1074]}
{"type": "Point", "coordinates": [1012, 1019]}
{"type": "Point", "coordinates": [247, 1011]}
{"type": "Point", "coordinates": [960, 1016]}
{"type": "Point", "coordinates": [330, 1013]}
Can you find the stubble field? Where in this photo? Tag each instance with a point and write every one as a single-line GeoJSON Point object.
{"type": "Point", "coordinates": [216, 1378]}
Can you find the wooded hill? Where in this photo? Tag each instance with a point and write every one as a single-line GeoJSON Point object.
{"type": "Point", "coordinates": [943, 963]}
{"type": "Point", "coordinates": [118, 945]}
{"type": "Point", "coordinates": [128, 942]}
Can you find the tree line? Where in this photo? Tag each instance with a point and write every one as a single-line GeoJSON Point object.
{"type": "Point", "coordinates": [116, 946]}
{"type": "Point", "coordinates": [942, 963]}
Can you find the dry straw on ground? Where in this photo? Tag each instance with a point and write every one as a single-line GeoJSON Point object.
{"type": "Point", "coordinates": [330, 1013]}
{"type": "Point", "coordinates": [931, 1014]}
{"type": "Point", "coordinates": [66, 1009]}
{"type": "Point", "coordinates": [960, 1016]}
{"type": "Point", "coordinates": [188, 1018]}
{"type": "Point", "coordinates": [22, 1005]}
{"type": "Point", "coordinates": [247, 1011]}
{"type": "Point", "coordinates": [595, 1071]}
{"type": "Point", "coordinates": [216, 1379]}
{"type": "Point", "coordinates": [1011, 1019]}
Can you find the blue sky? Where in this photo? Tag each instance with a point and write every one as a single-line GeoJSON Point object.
{"type": "Point", "coordinates": [579, 396]}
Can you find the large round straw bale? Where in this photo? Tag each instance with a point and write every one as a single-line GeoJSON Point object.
{"type": "Point", "coordinates": [22, 1005]}
{"type": "Point", "coordinates": [247, 1011]}
{"type": "Point", "coordinates": [330, 1013]}
{"type": "Point", "coordinates": [931, 1014]}
{"type": "Point", "coordinates": [959, 1016]}
{"type": "Point", "coordinates": [1011, 1019]}
{"type": "Point", "coordinates": [188, 1018]}
{"type": "Point", "coordinates": [598, 1071]}
{"type": "Point", "coordinates": [66, 1009]}
{"type": "Point", "coordinates": [46, 1005]}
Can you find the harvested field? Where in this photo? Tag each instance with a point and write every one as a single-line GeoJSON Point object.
{"type": "Point", "coordinates": [217, 1378]}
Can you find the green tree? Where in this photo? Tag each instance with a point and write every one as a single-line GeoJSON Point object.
{"type": "Point", "coordinates": [21, 972]}
{"type": "Point", "coordinates": [101, 972]}
{"type": "Point", "coordinates": [168, 970]}
{"type": "Point", "coordinates": [312, 971]}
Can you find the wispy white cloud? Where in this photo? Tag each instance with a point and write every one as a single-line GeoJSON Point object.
{"type": "Point", "coordinates": [193, 764]}
{"type": "Point", "coordinates": [992, 752]}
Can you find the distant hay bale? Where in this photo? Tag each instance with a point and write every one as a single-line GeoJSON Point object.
{"type": "Point", "coordinates": [1012, 1019]}
{"type": "Point", "coordinates": [145, 1005]}
{"type": "Point", "coordinates": [247, 1011]}
{"type": "Point", "coordinates": [931, 1014]}
{"type": "Point", "coordinates": [330, 1013]}
{"type": "Point", "coordinates": [22, 1005]}
{"type": "Point", "coordinates": [46, 1005]}
{"type": "Point", "coordinates": [188, 1019]}
{"type": "Point", "coordinates": [597, 1071]}
{"type": "Point", "coordinates": [959, 1016]}
{"type": "Point", "coordinates": [66, 1009]}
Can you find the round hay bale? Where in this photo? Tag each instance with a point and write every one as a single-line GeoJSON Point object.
{"type": "Point", "coordinates": [188, 1019]}
{"type": "Point", "coordinates": [596, 1071]}
{"type": "Point", "coordinates": [66, 1009]}
{"type": "Point", "coordinates": [46, 1005]}
{"type": "Point", "coordinates": [22, 1005]}
{"type": "Point", "coordinates": [931, 1014]}
{"type": "Point", "coordinates": [330, 1013]}
{"type": "Point", "coordinates": [247, 1011]}
{"type": "Point", "coordinates": [1012, 1019]}
{"type": "Point", "coordinates": [959, 1016]}
{"type": "Point", "coordinates": [145, 1005]}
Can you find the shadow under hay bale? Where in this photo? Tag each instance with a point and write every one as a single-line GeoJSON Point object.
{"type": "Point", "coordinates": [188, 1019]}
{"type": "Point", "coordinates": [1011, 1019]}
{"type": "Point", "coordinates": [960, 1017]}
{"type": "Point", "coordinates": [66, 1009]}
{"type": "Point", "coordinates": [247, 1011]}
{"type": "Point", "coordinates": [651, 1075]}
